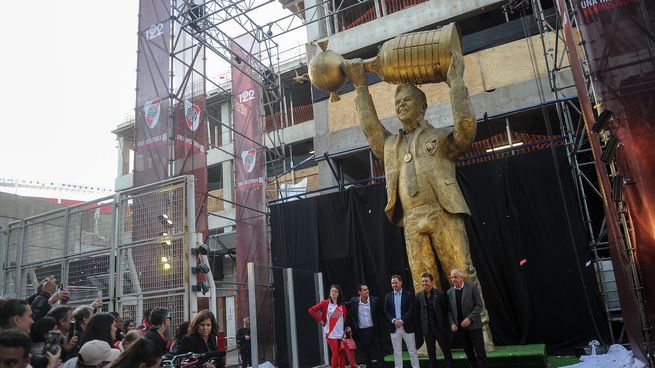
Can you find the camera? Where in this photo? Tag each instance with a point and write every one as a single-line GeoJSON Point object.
{"type": "Point", "coordinates": [52, 345]}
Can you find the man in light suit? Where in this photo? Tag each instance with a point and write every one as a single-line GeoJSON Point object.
{"type": "Point", "coordinates": [464, 310]}
{"type": "Point", "coordinates": [433, 315]}
{"type": "Point", "coordinates": [365, 311]}
{"type": "Point", "coordinates": [419, 163]}
{"type": "Point", "coordinates": [400, 311]}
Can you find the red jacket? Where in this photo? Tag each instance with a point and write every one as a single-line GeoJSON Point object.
{"type": "Point", "coordinates": [323, 308]}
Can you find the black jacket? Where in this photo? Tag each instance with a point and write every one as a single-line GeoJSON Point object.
{"type": "Point", "coordinates": [407, 311]}
{"type": "Point", "coordinates": [353, 311]}
{"type": "Point", "coordinates": [39, 304]}
{"type": "Point", "coordinates": [154, 336]}
{"type": "Point", "coordinates": [242, 343]}
{"type": "Point", "coordinates": [440, 308]}
{"type": "Point", "coordinates": [195, 344]}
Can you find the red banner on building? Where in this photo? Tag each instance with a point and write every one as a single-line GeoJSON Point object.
{"type": "Point", "coordinates": [249, 154]}
{"type": "Point", "coordinates": [190, 133]}
{"type": "Point", "coordinates": [152, 88]}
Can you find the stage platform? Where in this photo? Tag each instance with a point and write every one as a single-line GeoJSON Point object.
{"type": "Point", "coordinates": [505, 356]}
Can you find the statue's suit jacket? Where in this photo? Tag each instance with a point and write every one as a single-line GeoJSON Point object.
{"type": "Point", "coordinates": [435, 152]}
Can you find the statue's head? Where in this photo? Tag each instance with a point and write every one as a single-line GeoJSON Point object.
{"type": "Point", "coordinates": [411, 103]}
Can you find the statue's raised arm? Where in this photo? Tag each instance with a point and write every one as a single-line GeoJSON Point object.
{"type": "Point", "coordinates": [367, 117]}
{"type": "Point", "coordinates": [463, 114]}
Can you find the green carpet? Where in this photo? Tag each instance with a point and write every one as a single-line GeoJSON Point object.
{"type": "Point", "coordinates": [504, 356]}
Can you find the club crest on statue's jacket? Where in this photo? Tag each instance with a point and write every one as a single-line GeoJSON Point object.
{"type": "Point", "coordinates": [152, 110]}
{"type": "Point", "coordinates": [191, 115]}
{"type": "Point", "coordinates": [248, 157]}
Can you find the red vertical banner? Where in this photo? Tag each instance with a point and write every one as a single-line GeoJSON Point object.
{"type": "Point", "coordinates": [190, 133]}
{"type": "Point", "coordinates": [249, 154]}
{"type": "Point", "coordinates": [152, 89]}
{"type": "Point", "coordinates": [618, 37]}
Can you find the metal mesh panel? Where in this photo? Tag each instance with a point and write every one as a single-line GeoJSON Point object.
{"type": "Point", "coordinates": [134, 308]}
{"type": "Point", "coordinates": [12, 245]}
{"type": "Point", "coordinates": [144, 267]}
{"type": "Point", "coordinates": [10, 284]}
{"type": "Point", "coordinates": [153, 215]}
{"type": "Point", "coordinates": [33, 275]}
{"type": "Point", "coordinates": [90, 229]}
{"type": "Point", "coordinates": [44, 239]}
{"type": "Point", "coordinates": [88, 278]}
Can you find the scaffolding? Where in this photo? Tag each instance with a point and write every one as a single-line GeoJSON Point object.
{"type": "Point", "coordinates": [581, 157]}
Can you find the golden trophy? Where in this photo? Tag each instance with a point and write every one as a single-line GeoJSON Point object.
{"type": "Point", "coordinates": [417, 58]}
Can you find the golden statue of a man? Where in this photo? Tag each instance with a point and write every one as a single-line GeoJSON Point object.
{"type": "Point", "coordinates": [419, 163]}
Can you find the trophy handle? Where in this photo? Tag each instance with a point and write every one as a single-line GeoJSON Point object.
{"type": "Point", "coordinates": [373, 65]}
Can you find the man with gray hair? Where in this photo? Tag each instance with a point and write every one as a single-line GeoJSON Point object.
{"type": "Point", "coordinates": [465, 305]}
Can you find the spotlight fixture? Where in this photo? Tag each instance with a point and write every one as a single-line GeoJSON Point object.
{"type": "Point", "coordinates": [165, 220]}
{"type": "Point", "coordinates": [610, 149]}
{"type": "Point", "coordinates": [164, 259]}
{"type": "Point", "coordinates": [167, 266]}
{"type": "Point", "coordinates": [163, 234]}
{"type": "Point", "coordinates": [203, 249]}
{"type": "Point", "coordinates": [617, 188]}
{"type": "Point", "coordinates": [203, 287]}
{"type": "Point", "coordinates": [603, 121]}
{"type": "Point", "coordinates": [166, 242]}
{"type": "Point", "coordinates": [201, 268]}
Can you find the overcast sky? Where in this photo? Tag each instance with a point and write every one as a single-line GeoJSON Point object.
{"type": "Point", "coordinates": [67, 80]}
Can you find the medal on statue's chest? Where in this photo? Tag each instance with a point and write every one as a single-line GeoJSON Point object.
{"type": "Point", "coordinates": [407, 157]}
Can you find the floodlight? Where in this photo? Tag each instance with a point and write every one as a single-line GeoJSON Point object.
{"type": "Point", "coordinates": [202, 249]}
{"type": "Point", "coordinates": [165, 220]}
{"type": "Point", "coordinates": [610, 149]}
{"type": "Point", "coordinates": [201, 268]}
{"type": "Point", "coordinates": [603, 121]}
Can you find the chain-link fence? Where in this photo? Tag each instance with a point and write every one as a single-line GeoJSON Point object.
{"type": "Point", "coordinates": [131, 249]}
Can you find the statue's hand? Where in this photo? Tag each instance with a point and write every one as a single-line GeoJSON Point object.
{"type": "Point", "coordinates": [456, 69]}
{"type": "Point", "coordinates": [354, 69]}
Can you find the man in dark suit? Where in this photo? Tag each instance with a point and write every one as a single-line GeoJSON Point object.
{"type": "Point", "coordinates": [433, 314]}
{"type": "Point", "coordinates": [400, 311]}
{"type": "Point", "coordinates": [365, 311]}
{"type": "Point", "coordinates": [464, 310]}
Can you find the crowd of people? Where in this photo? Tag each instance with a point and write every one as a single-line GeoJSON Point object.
{"type": "Point", "coordinates": [439, 316]}
{"type": "Point", "coordinates": [44, 331]}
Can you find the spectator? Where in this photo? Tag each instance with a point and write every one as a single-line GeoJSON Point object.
{"type": "Point", "coordinates": [201, 336]}
{"type": "Point", "coordinates": [119, 325]}
{"type": "Point", "coordinates": [145, 324]}
{"type": "Point", "coordinates": [102, 326]}
{"type": "Point", "coordinates": [40, 336]}
{"type": "Point", "coordinates": [243, 343]}
{"type": "Point", "coordinates": [82, 315]}
{"type": "Point", "coordinates": [15, 349]}
{"type": "Point", "coordinates": [42, 301]}
{"type": "Point", "coordinates": [16, 314]}
{"type": "Point", "coordinates": [128, 340]}
{"type": "Point", "coordinates": [142, 353]}
{"type": "Point", "coordinates": [129, 325]}
{"type": "Point", "coordinates": [160, 322]}
{"type": "Point", "coordinates": [94, 353]}
{"type": "Point", "coordinates": [63, 315]}
{"type": "Point", "coordinates": [180, 331]}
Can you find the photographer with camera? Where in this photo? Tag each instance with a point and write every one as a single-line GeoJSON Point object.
{"type": "Point", "coordinates": [45, 343]}
{"type": "Point", "coordinates": [42, 301]}
{"type": "Point", "coordinates": [63, 315]}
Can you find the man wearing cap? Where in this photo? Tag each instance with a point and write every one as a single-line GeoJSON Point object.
{"type": "Point", "coordinates": [93, 354]}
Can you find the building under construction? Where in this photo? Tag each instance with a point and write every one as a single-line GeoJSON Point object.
{"type": "Point", "coordinates": [520, 73]}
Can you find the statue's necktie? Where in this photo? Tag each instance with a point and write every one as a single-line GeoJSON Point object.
{"type": "Point", "coordinates": [410, 169]}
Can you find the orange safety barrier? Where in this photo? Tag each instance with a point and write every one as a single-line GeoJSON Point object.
{"type": "Point", "coordinates": [300, 114]}
{"type": "Point", "coordinates": [358, 16]}
{"type": "Point", "coordinates": [531, 142]}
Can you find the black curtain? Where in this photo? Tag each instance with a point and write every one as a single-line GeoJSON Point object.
{"type": "Point", "coordinates": [527, 242]}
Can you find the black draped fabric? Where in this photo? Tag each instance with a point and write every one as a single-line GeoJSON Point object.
{"type": "Point", "coordinates": [527, 242]}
